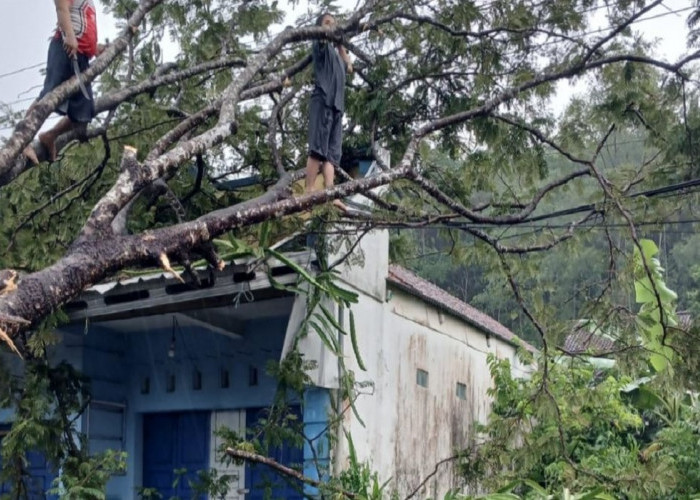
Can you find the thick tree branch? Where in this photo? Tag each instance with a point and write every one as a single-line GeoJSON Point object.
{"type": "Point", "coordinates": [114, 99]}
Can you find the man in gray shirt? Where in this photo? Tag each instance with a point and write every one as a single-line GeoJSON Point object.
{"type": "Point", "coordinates": [326, 109]}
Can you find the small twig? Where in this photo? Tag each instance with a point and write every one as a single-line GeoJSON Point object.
{"type": "Point", "coordinates": [431, 475]}
{"type": "Point", "coordinates": [274, 122]}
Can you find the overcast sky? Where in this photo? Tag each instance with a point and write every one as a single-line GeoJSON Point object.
{"type": "Point", "coordinates": [26, 26]}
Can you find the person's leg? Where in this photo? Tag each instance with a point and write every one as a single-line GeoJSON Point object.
{"type": "Point", "coordinates": [80, 110]}
{"type": "Point", "coordinates": [328, 181]}
{"type": "Point", "coordinates": [48, 138]}
{"type": "Point", "coordinates": [319, 128]}
{"type": "Point", "coordinates": [313, 166]}
{"type": "Point", "coordinates": [58, 69]}
{"type": "Point", "coordinates": [335, 151]}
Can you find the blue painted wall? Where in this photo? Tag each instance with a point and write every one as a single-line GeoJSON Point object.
{"type": "Point", "coordinates": [120, 364]}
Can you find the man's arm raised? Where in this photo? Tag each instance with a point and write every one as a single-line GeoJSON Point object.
{"type": "Point", "coordinates": [345, 57]}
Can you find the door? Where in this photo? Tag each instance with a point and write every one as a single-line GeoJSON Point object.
{"type": "Point", "coordinates": [235, 473]}
{"type": "Point", "coordinates": [261, 481]}
{"type": "Point", "coordinates": [175, 442]}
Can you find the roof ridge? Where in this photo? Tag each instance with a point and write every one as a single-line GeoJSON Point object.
{"type": "Point", "coordinates": [414, 284]}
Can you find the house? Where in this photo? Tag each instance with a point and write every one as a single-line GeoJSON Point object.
{"type": "Point", "coordinates": [170, 363]}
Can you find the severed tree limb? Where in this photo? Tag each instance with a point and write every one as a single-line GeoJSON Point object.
{"type": "Point", "coordinates": [91, 261]}
{"type": "Point", "coordinates": [283, 469]}
{"type": "Point", "coordinates": [132, 180]}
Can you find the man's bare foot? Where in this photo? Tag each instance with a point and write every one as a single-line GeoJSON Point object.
{"type": "Point", "coordinates": [30, 154]}
{"type": "Point", "coordinates": [49, 142]}
{"type": "Point", "coordinates": [340, 205]}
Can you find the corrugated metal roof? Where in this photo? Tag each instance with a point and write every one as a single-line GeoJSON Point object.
{"type": "Point", "coordinates": [415, 285]}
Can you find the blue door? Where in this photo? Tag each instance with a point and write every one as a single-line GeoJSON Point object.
{"type": "Point", "coordinates": [261, 481]}
{"type": "Point", "coordinates": [175, 442]}
{"type": "Point", "coordinates": [39, 476]}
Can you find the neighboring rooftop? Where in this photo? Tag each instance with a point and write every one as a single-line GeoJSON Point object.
{"type": "Point", "coordinates": [589, 339]}
{"type": "Point", "coordinates": [583, 340]}
{"type": "Point", "coordinates": [415, 285]}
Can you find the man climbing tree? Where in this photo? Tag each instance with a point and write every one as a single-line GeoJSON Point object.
{"type": "Point", "coordinates": [70, 50]}
{"type": "Point", "coordinates": [326, 109]}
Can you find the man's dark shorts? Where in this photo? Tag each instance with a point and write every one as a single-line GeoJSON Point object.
{"type": "Point", "coordinates": [59, 68]}
{"type": "Point", "coordinates": [325, 131]}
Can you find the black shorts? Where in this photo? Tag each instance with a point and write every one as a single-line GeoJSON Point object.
{"type": "Point", "coordinates": [325, 131]}
{"type": "Point", "coordinates": [59, 68]}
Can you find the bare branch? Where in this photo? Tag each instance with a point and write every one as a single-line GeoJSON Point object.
{"type": "Point", "coordinates": [274, 121]}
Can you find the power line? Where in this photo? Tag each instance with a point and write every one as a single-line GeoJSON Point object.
{"type": "Point", "coordinates": [21, 70]}
{"type": "Point", "coordinates": [527, 223]}
{"type": "Point", "coordinates": [18, 101]}
{"type": "Point", "coordinates": [672, 188]}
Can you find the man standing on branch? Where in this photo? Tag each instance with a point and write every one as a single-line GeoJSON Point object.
{"type": "Point", "coordinates": [70, 50]}
{"type": "Point", "coordinates": [326, 109]}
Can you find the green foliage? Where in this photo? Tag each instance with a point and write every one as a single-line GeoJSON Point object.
{"type": "Point", "coordinates": [85, 478]}
{"type": "Point", "coordinates": [485, 164]}
{"type": "Point", "coordinates": [358, 478]}
{"type": "Point", "coordinates": [572, 429]}
{"type": "Point", "coordinates": [657, 311]}
{"type": "Point", "coordinates": [46, 407]}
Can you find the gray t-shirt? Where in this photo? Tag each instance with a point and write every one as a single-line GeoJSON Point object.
{"type": "Point", "coordinates": [329, 74]}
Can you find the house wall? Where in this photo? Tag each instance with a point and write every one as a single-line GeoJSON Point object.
{"type": "Point", "coordinates": [410, 428]}
{"type": "Point", "coordinates": [120, 363]}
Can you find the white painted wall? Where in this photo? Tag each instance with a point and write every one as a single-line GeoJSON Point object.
{"type": "Point", "coordinates": [409, 428]}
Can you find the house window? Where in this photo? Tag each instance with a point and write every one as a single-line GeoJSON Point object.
{"type": "Point", "coordinates": [224, 379]}
{"type": "Point", "coordinates": [105, 425]}
{"type": "Point", "coordinates": [422, 378]}
{"type": "Point", "coordinates": [252, 376]}
{"type": "Point", "coordinates": [170, 382]}
{"type": "Point", "coordinates": [146, 385]}
{"type": "Point", "coordinates": [461, 391]}
{"type": "Point", "coordinates": [197, 380]}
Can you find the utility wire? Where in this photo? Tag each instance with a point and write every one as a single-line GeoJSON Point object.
{"type": "Point", "coordinates": [21, 70]}
{"type": "Point", "coordinates": [672, 188]}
